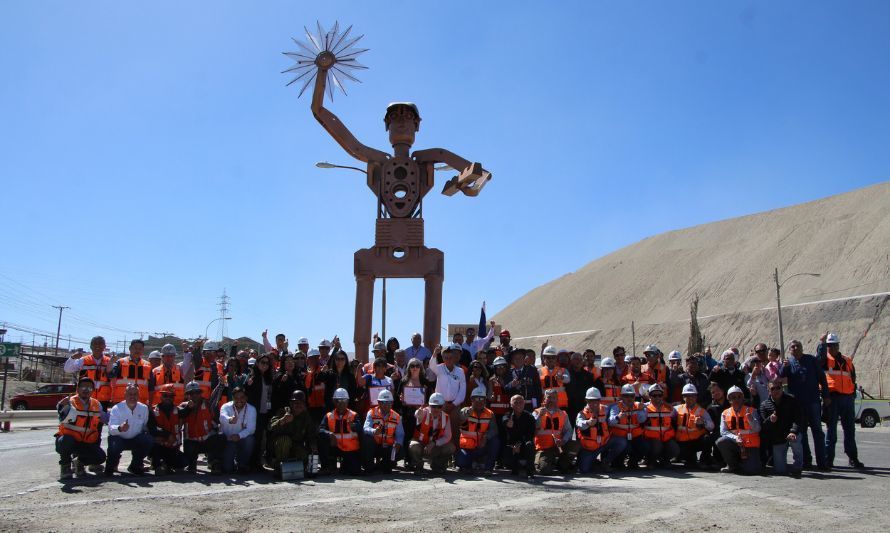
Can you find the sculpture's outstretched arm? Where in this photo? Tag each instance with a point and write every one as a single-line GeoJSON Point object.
{"type": "Point", "coordinates": [472, 176]}
{"type": "Point", "coordinates": [336, 128]}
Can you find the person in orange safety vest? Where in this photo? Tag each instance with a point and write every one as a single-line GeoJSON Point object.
{"type": "Point", "coordinates": [479, 442]}
{"type": "Point", "coordinates": [382, 435]}
{"type": "Point", "coordinates": [81, 418]}
{"type": "Point", "coordinates": [338, 437]}
{"type": "Point", "coordinates": [739, 441]}
{"type": "Point", "coordinates": [841, 376]}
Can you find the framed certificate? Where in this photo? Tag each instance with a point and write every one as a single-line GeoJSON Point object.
{"type": "Point", "coordinates": [374, 393]}
{"type": "Point", "coordinates": [413, 396]}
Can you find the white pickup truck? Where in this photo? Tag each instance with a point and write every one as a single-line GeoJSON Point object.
{"type": "Point", "coordinates": [870, 411]}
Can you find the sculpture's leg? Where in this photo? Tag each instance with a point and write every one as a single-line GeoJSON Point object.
{"type": "Point", "coordinates": [364, 308]}
{"type": "Point", "coordinates": [432, 311]}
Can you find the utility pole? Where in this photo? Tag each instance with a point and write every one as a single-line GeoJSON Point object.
{"type": "Point", "coordinates": [779, 311]}
{"type": "Point", "coordinates": [59, 328]}
{"type": "Point", "coordinates": [383, 315]}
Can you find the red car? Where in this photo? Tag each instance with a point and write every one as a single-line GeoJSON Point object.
{"type": "Point", "coordinates": [45, 397]}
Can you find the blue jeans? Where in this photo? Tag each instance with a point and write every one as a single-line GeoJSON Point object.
{"type": "Point", "coordinates": [87, 454]}
{"type": "Point", "coordinates": [486, 454]}
{"type": "Point", "coordinates": [607, 453]}
{"type": "Point", "coordinates": [812, 414]}
{"type": "Point", "coordinates": [780, 457]}
{"type": "Point", "coordinates": [635, 449]}
{"type": "Point", "coordinates": [843, 406]}
{"type": "Point", "coordinates": [241, 450]}
{"type": "Point", "coordinates": [732, 456]}
{"type": "Point", "coordinates": [140, 445]}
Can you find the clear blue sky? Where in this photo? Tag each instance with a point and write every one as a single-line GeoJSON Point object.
{"type": "Point", "coordinates": [151, 154]}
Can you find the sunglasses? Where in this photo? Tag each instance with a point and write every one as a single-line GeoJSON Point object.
{"type": "Point", "coordinates": [436, 406]}
{"type": "Point", "coordinates": [761, 351]}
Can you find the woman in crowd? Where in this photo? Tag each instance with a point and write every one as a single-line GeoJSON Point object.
{"type": "Point", "coordinates": [259, 394]}
{"type": "Point", "coordinates": [412, 392]}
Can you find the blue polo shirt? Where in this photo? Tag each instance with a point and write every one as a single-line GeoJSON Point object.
{"type": "Point", "coordinates": [804, 377]}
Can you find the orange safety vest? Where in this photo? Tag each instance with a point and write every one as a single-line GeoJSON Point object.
{"type": "Point", "coordinates": [596, 372]}
{"type": "Point", "coordinates": [658, 422]}
{"type": "Point", "coordinates": [552, 379]}
{"type": "Point", "coordinates": [82, 421]}
{"type": "Point", "coordinates": [314, 388]}
{"type": "Point", "coordinates": [96, 372]}
{"type": "Point", "coordinates": [389, 425]}
{"type": "Point", "coordinates": [500, 400]}
{"type": "Point", "coordinates": [473, 428]}
{"type": "Point", "coordinates": [175, 380]}
{"type": "Point", "coordinates": [657, 374]}
{"type": "Point", "coordinates": [202, 376]}
{"type": "Point", "coordinates": [642, 378]}
{"type": "Point", "coordinates": [613, 392]}
{"type": "Point", "coordinates": [596, 435]}
{"type": "Point", "coordinates": [840, 379]}
{"type": "Point", "coordinates": [341, 427]}
{"type": "Point", "coordinates": [686, 419]}
{"type": "Point", "coordinates": [738, 424]}
{"type": "Point", "coordinates": [550, 429]}
{"type": "Point", "coordinates": [131, 373]}
{"type": "Point", "coordinates": [628, 421]}
{"type": "Point", "coordinates": [169, 423]}
{"type": "Point", "coordinates": [428, 430]}
{"type": "Point", "coordinates": [199, 424]}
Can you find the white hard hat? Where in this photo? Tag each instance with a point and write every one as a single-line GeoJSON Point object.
{"type": "Point", "coordinates": [550, 350]}
{"type": "Point", "coordinates": [324, 344]}
{"type": "Point", "coordinates": [313, 353]}
{"type": "Point", "coordinates": [303, 340]}
{"type": "Point", "coordinates": [734, 389]}
{"type": "Point", "coordinates": [675, 356]}
{"type": "Point", "coordinates": [689, 388]}
{"type": "Point", "coordinates": [651, 348]}
{"type": "Point", "coordinates": [251, 361]}
{"type": "Point", "coordinates": [343, 394]}
{"type": "Point", "coordinates": [384, 396]}
{"type": "Point", "coordinates": [437, 399]}
{"type": "Point", "coordinates": [378, 347]}
{"type": "Point", "coordinates": [479, 392]}
{"type": "Point", "coordinates": [499, 361]}
{"type": "Point", "coordinates": [655, 387]}
{"type": "Point", "coordinates": [607, 362]}
{"type": "Point", "coordinates": [832, 338]}
{"type": "Point", "coordinates": [211, 346]}
{"type": "Point", "coordinates": [154, 355]}
{"type": "Point", "coordinates": [593, 393]}
{"type": "Point", "coordinates": [454, 347]}
{"type": "Point", "coordinates": [192, 386]}
{"type": "Point", "coordinates": [168, 349]}
{"type": "Point", "coordinates": [627, 388]}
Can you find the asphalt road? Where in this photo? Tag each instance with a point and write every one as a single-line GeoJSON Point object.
{"type": "Point", "coordinates": [31, 499]}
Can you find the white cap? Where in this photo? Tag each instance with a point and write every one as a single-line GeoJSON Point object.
{"type": "Point", "coordinates": [378, 346]}
{"type": "Point", "coordinates": [154, 355]}
{"type": "Point", "coordinates": [384, 396]}
{"type": "Point", "coordinates": [211, 346]}
{"type": "Point", "coordinates": [627, 388]}
{"type": "Point", "coordinates": [313, 353]}
{"type": "Point", "coordinates": [734, 389]}
{"type": "Point", "coordinates": [593, 393]}
{"type": "Point", "coordinates": [607, 362]}
{"type": "Point", "coordinates": [168, 349]}
{"type": "Point", "coordinates": [689, 388]}
{"type": "Point", "coordinates": [479, 392]}
{"type": "Point", "coordinates": [437, 399]}
{"type": "Point", "coordinates": [832, 338]}
{"type": "Point", "coordinates": [675, 356]}
{"type": "Point", "coordinates": [303, 340]}
{"type": "Point", "coordinates": [453, 347]}
{"type": "Point", "coordinates": [324, 344]}
{"type": "Point", "coordinates": [550, 350]}
{"type": "Point", "coordinates": [499, 361]}
{"type": "Point", "coordinates": [343, 394]}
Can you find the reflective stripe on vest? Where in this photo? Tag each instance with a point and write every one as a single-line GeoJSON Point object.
{"type": "Point", "coordinates": [389, 425]}
{"type": "Point", "coordinates": [500, 400]}
{"type": "Point", "coordinates": [176, 381]}
{"type": "Point", "coordinates": [199, 424]}
{"type": "Point", "coordinates": [473, 428]}
{"type": "Point", "coordinates": [551, 427]}
{"type": "Point", "coordinates": [96, 372]}
{"type": "Point", "coordinates": [82, 421]}
{"type": "Point", "coordinates": [553, 380]}
{"type": "Point", "coordinates": [341, 427]}
{"type": "Point", "coordinates": [315, 389]}
{"type": "Point", "coordinates": [131, 373]}
{"type": "Point", "coordinates": [628, 421]}
{"type": "Point", "coordinates": [658, 422]}
{"type": "Point", "coordinates": [426, 431]}
{"type": "Point", "coordinates": [738, 424]}
{"type": "Point", "coordinates": [594, 436]}
{"type": "Point", "coordinates": [170, 424]}
{"type": "Point", "coordinates": [686, 428]}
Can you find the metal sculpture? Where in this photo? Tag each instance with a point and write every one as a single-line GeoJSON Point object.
{"type": "Point", "coordinates": [400, 181]}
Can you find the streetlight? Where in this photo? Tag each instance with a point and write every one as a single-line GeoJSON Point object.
{"type": "Point", "coordinates": [779, 302]}
{"type": "Point", "coordinates": [212, 321]}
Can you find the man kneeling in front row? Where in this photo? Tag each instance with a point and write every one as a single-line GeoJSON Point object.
{"type": "Point", "coordinates": [80, 431]}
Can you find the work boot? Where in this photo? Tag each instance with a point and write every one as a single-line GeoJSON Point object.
{"type": "Point", "coordinates": [856, 463]}
{"type": "Point", "coordinates": [136, 470]}
{"type": "Point", "coordinates": [96, 468]}
{"type": "Point", "coordinates": [110, 469]}
{"type": "Point", "coordinates": [79, 469]}
{"type": "Point", "coordinates": [65, 471]}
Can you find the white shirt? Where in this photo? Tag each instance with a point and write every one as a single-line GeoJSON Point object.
{"type": "Point", "coordinates": [245, 420]}
{"type": "Point", "coordinates": [137, 418]}
{"type": "Point", "coordinates": [452, 384]}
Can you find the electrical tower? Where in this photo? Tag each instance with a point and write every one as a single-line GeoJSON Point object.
{"type": "Point", "coordinates": [223, 314]}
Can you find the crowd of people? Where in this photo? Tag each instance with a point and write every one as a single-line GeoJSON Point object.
{"type": "Point", "coordinates": [477, 405]}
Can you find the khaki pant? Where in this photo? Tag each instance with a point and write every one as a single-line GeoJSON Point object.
{"type": "Point", "coordinates": [546, 461]}
{"type": "Point", "coordinates": [438, 456]}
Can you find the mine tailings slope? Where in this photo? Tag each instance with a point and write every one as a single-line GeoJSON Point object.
{"type": "Point", "coordinates": [729, 266]}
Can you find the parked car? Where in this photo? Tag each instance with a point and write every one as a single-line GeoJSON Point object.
{"type": "Point", "coordinates": [45, 397]}
{"type": "Point", "coordinates": [870, 412]}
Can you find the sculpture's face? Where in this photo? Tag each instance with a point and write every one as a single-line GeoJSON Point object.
{"type": "Point", "coordinates": [402, 124]}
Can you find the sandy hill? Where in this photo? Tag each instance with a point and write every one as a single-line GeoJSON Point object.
{"type": "Point", "coordinates": [729, 265]}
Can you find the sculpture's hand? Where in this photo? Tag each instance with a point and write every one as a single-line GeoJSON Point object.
{"type": "Point", "coordinates": [470, 181]}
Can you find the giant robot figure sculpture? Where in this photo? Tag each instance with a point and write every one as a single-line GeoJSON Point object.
{"type": "Point", "coordinates": [400, 181]}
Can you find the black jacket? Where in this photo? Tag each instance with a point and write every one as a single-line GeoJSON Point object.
{"type": "Point", "coordinates": [523, 429]}
{"type": "Point", "coordinates": [576, 389]}
{"type": "Point", "coordinates": [529, 385]}
{"type": "Point", "coordinates": [728, 378]}
{"type": "Point", "coordinates": [789, 419]}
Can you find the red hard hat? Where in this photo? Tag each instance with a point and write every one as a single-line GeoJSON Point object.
{"type": "Point", "coordinates": [505, 333]}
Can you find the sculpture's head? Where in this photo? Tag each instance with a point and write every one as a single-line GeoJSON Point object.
{"type": "Point", "coordinates": [402, 121]}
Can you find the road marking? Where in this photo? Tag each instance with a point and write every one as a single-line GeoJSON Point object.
{"type": "Point", "coordinates": [25, 445]}
{"type": "Point", "coordinates": [871, 442]}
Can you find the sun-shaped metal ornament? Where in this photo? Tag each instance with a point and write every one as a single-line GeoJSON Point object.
{"type": "Point", "coordinates": [331, 50]}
